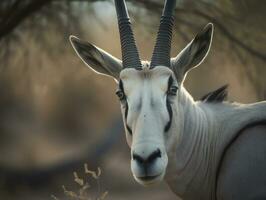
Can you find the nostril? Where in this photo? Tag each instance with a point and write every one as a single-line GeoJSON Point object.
{"type": "Point", "coordinates": [151, 158]}
{"type": "Point", "coordinates": [137, 158]}
{"type": "Point", "coordinates": [156, 154]}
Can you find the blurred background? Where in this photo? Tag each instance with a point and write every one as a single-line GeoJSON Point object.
{"type": "Point", "coordinates": [56, 114]}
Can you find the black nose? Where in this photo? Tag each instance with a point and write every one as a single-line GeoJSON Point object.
{"type": "Point", "coordinates": [148, 160]}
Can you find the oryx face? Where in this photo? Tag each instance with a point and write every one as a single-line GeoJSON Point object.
{"type": "Point", "coordinates": [148, 92]}
{"type": "Point", "coordinates": [146, 101]}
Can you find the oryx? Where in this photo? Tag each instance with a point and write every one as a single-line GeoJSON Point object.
{"type": "Point", "coordinates": [204, 150]}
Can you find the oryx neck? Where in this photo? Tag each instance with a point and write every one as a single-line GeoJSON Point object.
{"type": "Point", "coordinates": [190, 155]}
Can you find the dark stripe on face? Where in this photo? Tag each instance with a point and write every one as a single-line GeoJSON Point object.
{"type": "Point", "coordinates": [168, 106]}
{"type": "Point", "coordinates": [126, 113]}
{"type": "Point", "coordinates": [121, 86]}
{"type": "Point", "coordinates": [170, 112]}
{"type": "Point", "coordinates": [170, 82]}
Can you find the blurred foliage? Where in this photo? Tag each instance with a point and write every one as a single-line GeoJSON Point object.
{"type": "Point", "coordinates": [37, 19]}
{"type": "Point", "coordinates": [240, 27]}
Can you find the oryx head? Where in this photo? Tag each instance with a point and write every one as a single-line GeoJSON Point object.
{"type": "Point", "coordinates": [149, 91]}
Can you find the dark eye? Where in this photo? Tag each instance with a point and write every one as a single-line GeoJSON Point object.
{"type": "Point", "coordinates": [120, 95]}
{"type": "Point", "coordinates": [172, 90]}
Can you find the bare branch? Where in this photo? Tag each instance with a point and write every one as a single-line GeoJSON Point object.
{"type": "Point", "coordinates": [19, 16]}
{"type": "Point", "coordinates": [157, 7]}
{"type": "Point", "coordinates": [230, 36]}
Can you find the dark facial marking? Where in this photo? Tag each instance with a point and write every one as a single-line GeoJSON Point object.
{"type": "Point", "coordinates": [121, 87]}
{"type": "Point", "coordinates": [168, 106]}
{"type": "Point", "coordinates": [126, 113]}
{"type": "Point", "coordinates": [170, 112]}
{"type": "Point", "coordinates": [170, 82]}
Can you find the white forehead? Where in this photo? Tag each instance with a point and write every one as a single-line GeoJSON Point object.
{"type": "Point", "coordinates": [157, 77]}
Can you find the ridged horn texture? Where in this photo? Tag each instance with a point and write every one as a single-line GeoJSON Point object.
{"type": "Point", "coordinates": [162, 49]}
{"type": "Point", "coordinates": [130, 55]}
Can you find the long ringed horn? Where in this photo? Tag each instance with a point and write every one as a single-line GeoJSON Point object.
{"type": "Point", "coordinates": [130, 55]}
{"type": "Point", "coordinates": [162, 49]}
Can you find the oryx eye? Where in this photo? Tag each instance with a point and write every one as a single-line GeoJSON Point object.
{"type": "Point", "coordinates": [120, 92]}
{"type": "Point", "coordinates": [172, 90]}
{"type": "Point", "coordinates": [120, 95]}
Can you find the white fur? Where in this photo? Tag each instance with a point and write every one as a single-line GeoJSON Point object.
{"type": "Point", "coordinates": [193, 146]}
{"type": "Point", "coordinates": [205, 130]}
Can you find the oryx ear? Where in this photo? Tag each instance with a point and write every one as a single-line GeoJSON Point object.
{"type": "Point", "coordinates": [97, 59]}
{"type": "Point", "coordinates": [194, 53]}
